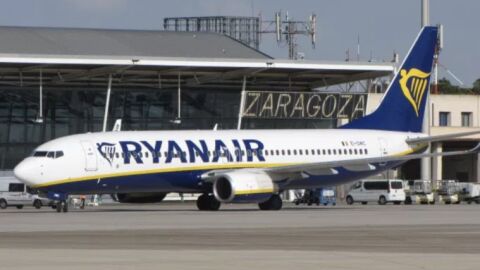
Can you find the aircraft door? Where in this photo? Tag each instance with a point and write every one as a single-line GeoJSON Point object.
{"type": "Point", "coordinates": [90, 156]}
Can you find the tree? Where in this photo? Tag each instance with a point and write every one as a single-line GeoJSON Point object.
{"type": "Point", "coordinates": [476, 85]}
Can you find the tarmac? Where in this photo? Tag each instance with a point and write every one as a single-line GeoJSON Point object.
{"type": "Point", "coordinates": [177, 236]}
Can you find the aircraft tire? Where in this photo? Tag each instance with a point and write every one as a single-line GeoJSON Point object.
{"type": "Point", "coordinates": [19, 206]}
{"type": "Point", "coordinates": [65, 206]}
{"type": "Point", "coordinates": [274, 203]}
{"type": "Point", "coordinates": [59, 207]}
{"type": "Point", "coordinates": [207, 203]}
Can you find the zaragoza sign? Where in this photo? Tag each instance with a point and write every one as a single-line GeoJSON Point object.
{"type": "Point", "coordinates": [304, 105]}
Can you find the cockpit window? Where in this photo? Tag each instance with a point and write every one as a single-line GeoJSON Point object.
{"type": "Point", "coordinates": [49, 154]}
{"type": "Point", "coordinates": [40, 154]}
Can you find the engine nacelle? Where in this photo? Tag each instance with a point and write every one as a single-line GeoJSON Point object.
{"type": "Point", "coordinates": [141, 197]}
{"type": "Point", "coordinates": [247, 187]}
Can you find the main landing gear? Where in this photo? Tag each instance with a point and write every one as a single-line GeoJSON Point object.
{"type": "Point", "coordinates": [274, 203]}
{"type": "Point", "coordinates": [207, 202]}
{"type": "Point", "coordinates": [62, 206]}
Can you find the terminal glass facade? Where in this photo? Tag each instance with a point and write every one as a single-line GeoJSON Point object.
{"type": "Point", "coordinates": [77, 110]}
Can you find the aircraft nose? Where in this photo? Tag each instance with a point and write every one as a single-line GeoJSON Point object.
{"type": "Point", "coordinates": [25, 172]}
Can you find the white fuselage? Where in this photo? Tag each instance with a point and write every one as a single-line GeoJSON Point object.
{"type": "Point", "coordinates": [173, 161]}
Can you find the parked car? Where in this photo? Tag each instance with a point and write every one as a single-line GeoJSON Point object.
{"type": "Point", "coordinates": [19, 195]}
{"type": "Point", "coordinates": [382, 191]}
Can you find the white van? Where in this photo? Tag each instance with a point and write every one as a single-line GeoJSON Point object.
{"type": "Point", "coordinates": [381, 191]}
{"type": "Point", "coordinates": [19, 195]}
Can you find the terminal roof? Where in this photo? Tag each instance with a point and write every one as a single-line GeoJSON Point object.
{"type": "Point", "coordinates": [138, 58]}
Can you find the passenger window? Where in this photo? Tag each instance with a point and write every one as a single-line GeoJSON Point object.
{"type": "Point", "coordinates": [350, 151]}
{"type": "Point", "coordinates": [356, 153]}
{"type": "Point", "coordinates": [366, 151]}
{"type": "Point", "coordinates": [361, 151]}
{"type": "Point", "coordinates": [300, 152]}
{"type": "Point", "coordinates": [289, 152]}
{"type": "Point", "coordinates": [146, 154]}
{"type": "Point", "coordinates": [306, 152]}
{"type": "Point", "coordinates": [339, 151]}
{"type": "Point", "coordinates": [266, 152]}
{"type": "Point", "coordinates": [117, 155]}
{"type": "Point", "coordinates": [313, 151]}
{"type": "Point", "coordinates": [334, 152]}
{"type": "Point", "coordinates": [345, 151]}
{"type": "Point", "coordinates": [324, 152]}
{"type": "Point", "coordinates": [318, 151]}
{"type": "Point", "coordinates": [329, 152]}
{"type": "Point", "coordinates": [295, 152]}
{"type": "Point", "coordinates": [272, 152]}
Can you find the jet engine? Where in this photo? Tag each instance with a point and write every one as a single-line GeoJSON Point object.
{"type": "Point", "coordinates": [140, 197]}
{"type": "Point", "coordinates": [246, 187]}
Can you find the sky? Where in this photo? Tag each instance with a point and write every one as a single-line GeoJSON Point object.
{"type": "Point", "coordinates": [384, 26]}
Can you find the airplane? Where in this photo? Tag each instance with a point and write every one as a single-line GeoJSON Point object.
{"type": "Point", "coordinates": [244, 166]}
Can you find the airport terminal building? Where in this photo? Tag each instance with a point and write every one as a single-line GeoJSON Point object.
{"type": "Point", "coordinates": [56, 81]}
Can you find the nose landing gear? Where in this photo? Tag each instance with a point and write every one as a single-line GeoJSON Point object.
{"type": "Point", "coordinates": [60, 199]}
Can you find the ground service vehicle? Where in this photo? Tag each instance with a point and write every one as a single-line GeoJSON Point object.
{"type": "Point", "coordinates": [19, 195]}
{"type": "Point", "coordinates": [420, 192]}
{"type": "Point", "coordinates": [382, 191]}
{"type": "Point", "coordinates": [317, 196]}
{"type": "Point", "coordinates": [469, 192]}
{"type": "Point", "coordinates": [447, 191]}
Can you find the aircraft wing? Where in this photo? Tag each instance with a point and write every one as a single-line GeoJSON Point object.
{"type": "Point", "coordinates": [278, 173]}
{"type": "Point", "coordinates": [439, 138]}
{"type": "Point", "coordinates": [319, 168]}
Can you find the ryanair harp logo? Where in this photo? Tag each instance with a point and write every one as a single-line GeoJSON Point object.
{"type": "Point", "coordinates": [413, 84]}
{"type": "Point", "coordinates": [107, 150]}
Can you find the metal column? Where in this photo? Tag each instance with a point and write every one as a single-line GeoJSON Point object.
{"type": "Point", "coordinates": [179, 97]}
{"type": "Point", "coordinates": [242, 103]}
{"type": "Point", "coordinates": [107, 103]}
{"type": "Point", "coordinates": [40, 101]}
{"type": "Point", "coordinates": [437, 163]}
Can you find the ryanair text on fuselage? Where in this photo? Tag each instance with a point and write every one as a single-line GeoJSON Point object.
{"type": "Point", "coordinates": [244, 150]}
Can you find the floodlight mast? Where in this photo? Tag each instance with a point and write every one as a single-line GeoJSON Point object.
{"type": "Point", "coordinates": [288, 29]}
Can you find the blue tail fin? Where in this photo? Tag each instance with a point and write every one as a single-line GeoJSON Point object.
{"type": "Point", "coordinates": [403, 105]}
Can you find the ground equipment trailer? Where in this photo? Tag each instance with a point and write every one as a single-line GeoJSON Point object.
{"type": "Point", "coordinates": [447, 192]}
{"type": "Point", "coordinates": [420, 192]}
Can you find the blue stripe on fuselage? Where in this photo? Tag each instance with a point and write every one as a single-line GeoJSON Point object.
{"type": "Point", "coordinates": [191, 181]}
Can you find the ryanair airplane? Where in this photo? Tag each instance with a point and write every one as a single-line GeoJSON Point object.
{"type": "Point", "coordinates": [235, 166]}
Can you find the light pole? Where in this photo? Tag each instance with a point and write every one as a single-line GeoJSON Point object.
{"type": "Point", "coordinates": [425, 163]}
